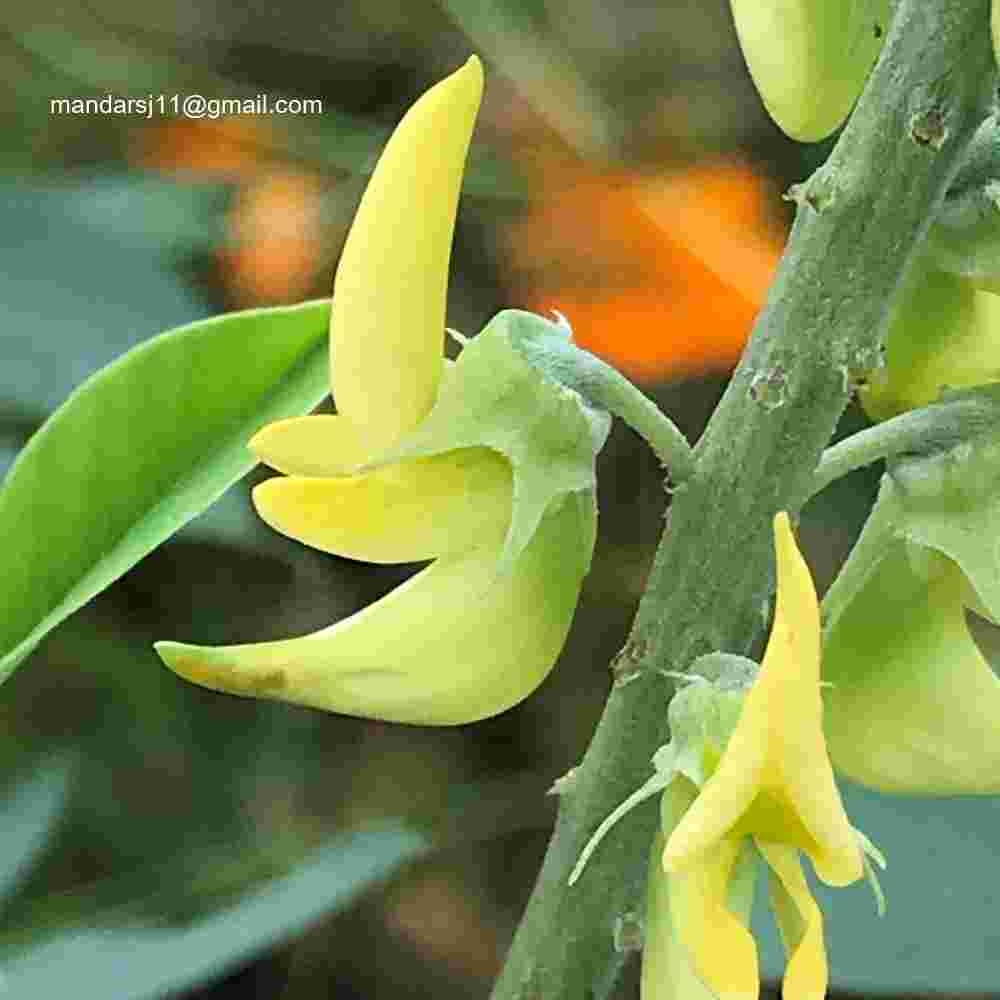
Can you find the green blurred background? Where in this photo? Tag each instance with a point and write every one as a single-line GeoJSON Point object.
{"type": "Point", "coordinates": [624, 172]}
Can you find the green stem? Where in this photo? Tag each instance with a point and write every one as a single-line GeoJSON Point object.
{"type": "Point", "coordinates": [936, 427]}
{"type": "Point", "coordinates": [606, 387]}
{"type": "Point", "coordinates": [861, 218]}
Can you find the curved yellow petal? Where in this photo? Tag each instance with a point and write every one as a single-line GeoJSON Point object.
{"type": "Point", "coordinates": [677, 920]}
{"type": "Point", "coordinates": [402, 513]}
{"type": "Point", "coordinates": [799, 766]}
{"type": "Point", "coordinates": [317, 445]}
{"type": "Point", "coordinates": [724, 799]}
{"type": "Point", "coordinates": [794, 646]}
{"type": "Point", "coordinates": [800, 923]}
{"type": "Point", "coordinates": [667, 972]}
{"type": "Point", "coordinates": [321, 444]}
{"type": "Point", "coordinates": [914, 708]}
{"type": "Point", "coordinates": [389, 295]}
{"type": "Point", "coordinates": [453, 644]}
{"type": "Point", "coordinates": [775, 778]}
{"type": "Point", "coordinates": [721, 949]}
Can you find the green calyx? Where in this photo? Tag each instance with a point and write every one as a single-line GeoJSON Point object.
{"type": "Point", "coordinates": [704, 713]}
{"type": "Point", "coordinates": [548, 347]}
{"type": "Point", "coordinates": [492, 397]}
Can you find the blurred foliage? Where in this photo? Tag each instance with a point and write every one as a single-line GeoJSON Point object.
{"type": "Point", "coordinates": [624, 172]}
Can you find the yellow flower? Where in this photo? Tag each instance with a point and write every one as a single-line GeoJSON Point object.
{"type": "Point", "coordinates": [469, 636]}
{"type": "Point", "coordinates": [774, 784]}
{"type": "Point", "coordinates": [746, 781]}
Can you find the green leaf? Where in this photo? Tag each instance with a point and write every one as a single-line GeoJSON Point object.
{"type": "Point", "coordinates": [492, 397]}
{"type": "Point", "coordinates": [136, 962]}
{"type": "Point", "coordinates": [141, 448]}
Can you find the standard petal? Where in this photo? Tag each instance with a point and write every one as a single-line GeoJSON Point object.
{"type": "Point", "coordinates": [798, 769]}
{"type": "Point", "coordinates": [318, 445]}
{"type": "Point", "coordinates": [795, 634]}
{"type": "Point", "coordinates": [736, 783]}
{"type": "Point", "coordinates": [388, 315]}
{"type": "Point", "coordinates": [403, 513]}
{"type": "Point", "coordinates": [913, 706]}
{"type": "Point", "coordinates": [452, 645]}
{"type": "Point", "coordinates": [800, 923]}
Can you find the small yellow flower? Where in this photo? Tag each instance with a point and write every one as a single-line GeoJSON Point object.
{"type": "Point", "coordinates": [774, 785]}
{"type": "Point", "coordinates": [470, 635]}
{"type": "Point", "coordinates": [775, 781]}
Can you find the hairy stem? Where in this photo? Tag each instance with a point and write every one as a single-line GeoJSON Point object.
{"type": "Point", "coordinates": [606, 387]}
{"type": "Point", "coordinates": [931, 428]}
{"type": "Point", "coordinates": [860, 220]}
